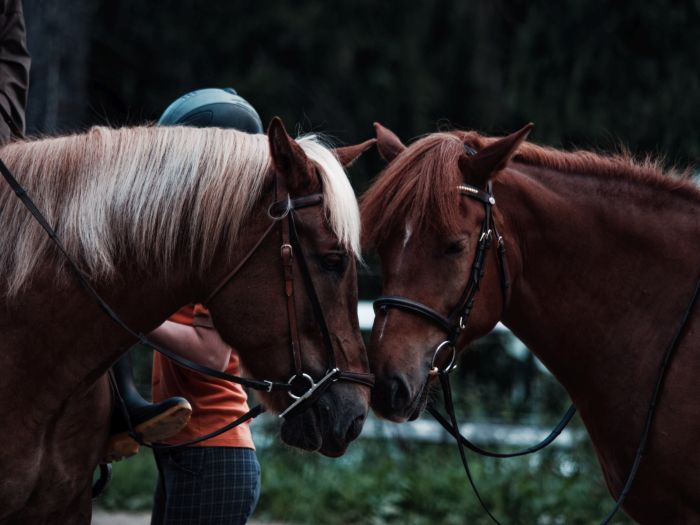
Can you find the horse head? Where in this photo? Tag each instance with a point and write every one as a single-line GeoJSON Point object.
{"type": "Point", "coordinates": [430, 215]}
{"type": "Point", "coordinates": [291, 307]}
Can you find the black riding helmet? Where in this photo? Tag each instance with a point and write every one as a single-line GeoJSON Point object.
{"type": "Point", "coordinates": [213, 107]}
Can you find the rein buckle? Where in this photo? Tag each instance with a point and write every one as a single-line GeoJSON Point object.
{"type": "Point", "coordinates": [287, 252]}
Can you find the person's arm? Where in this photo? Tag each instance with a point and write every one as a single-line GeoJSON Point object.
{"type": "Point", "coordinates": [200, 344]}
{"type": "Point", "coordinates": [14, 70]}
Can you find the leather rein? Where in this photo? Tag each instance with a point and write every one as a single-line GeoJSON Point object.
{"type": "Point", "coordinates": [301, 387]}
{"type": "Point", "coordinates": [456, 321]}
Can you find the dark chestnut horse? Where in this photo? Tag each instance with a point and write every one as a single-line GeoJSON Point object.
{"type": "Point", "coordinates": [156, 218]}
{"type": "Point", "coordinates": [603, 256]}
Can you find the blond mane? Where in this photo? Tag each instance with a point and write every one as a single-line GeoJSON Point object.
{"type": "Point", "coordinates": [148, 194]}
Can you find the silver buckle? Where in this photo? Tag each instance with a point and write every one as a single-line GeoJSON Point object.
{"type": "Point", "coordinates": [270, 384]}
{"type": "Point", "coordinates": [485, 235]}
{"type": "Point", "coordinates": [284, 214]}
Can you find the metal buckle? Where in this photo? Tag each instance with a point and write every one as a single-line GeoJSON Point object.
{"type": "Point", "coordinates": [291, 250]}
{"type": "Point", "coordinates": [270, 384]}
{"type": "Point", "coordinates": [434, 370]}
{"type": "Point", "coordinates": [284, 214]}
{"type": "Point", "coordinates": [485, 235]}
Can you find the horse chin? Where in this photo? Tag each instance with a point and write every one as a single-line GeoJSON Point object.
{"type": "Point", "coordinates": [409, 412]}
{"type": "Point", "coordinates": [316, 429]}
{"type": "Point", "coordinates": [419, 403]}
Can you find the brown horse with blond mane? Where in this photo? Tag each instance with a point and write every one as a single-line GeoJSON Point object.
{"type": "Point", "coordinates": [602, 260]}
{"type": "Point", "coordinates": [157, 218]}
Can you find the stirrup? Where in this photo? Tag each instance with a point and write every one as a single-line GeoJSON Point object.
{"type": "Point", "coordinates": [162, 426]}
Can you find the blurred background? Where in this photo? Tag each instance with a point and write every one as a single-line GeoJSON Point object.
{"type": "Point", "coordinates": [588, 73]}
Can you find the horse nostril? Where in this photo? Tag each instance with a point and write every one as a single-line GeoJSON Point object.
{"type": "Point", "coordinates": [399, 393]}
{"type": "Point", "coordinates": [391, 396]}
{"type": "Point", "coordinates": [354, 429]}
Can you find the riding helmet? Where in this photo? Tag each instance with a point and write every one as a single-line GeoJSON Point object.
{"type": "Point", "coordinates": [213, 107]}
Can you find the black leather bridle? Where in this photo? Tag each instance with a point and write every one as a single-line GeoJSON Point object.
{"type": "Point", "coordinates": [301, 386]}
{"type": "Point", "coordinates": [456, 321]}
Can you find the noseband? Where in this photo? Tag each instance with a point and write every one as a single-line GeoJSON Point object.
{"type": "Point", "coordinates": [456, 321]}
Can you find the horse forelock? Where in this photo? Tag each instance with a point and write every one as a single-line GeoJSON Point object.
{"type": "Point", "coordinates": [150, 193]}
{"type": "Point", "coordinates": [419, 187]}
{"type": "Point", "coordinates": [339, 200]}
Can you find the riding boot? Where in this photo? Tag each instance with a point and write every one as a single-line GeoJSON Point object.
{"type": "Point", "coordinates": [153, 422]}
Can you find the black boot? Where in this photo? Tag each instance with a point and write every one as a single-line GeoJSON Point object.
{"type": "Point", "coordinates": [153, 422]}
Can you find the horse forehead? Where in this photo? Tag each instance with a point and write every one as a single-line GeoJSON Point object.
{"type": "Point", "coordinates": [314, 221]}
{"type": "Point", "coordinates": [403, 252]}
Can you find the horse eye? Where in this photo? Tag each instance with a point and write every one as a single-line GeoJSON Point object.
{"type": "Point", "coordinates": [334, 261]}
{"type": "Point", "coordinates": [455, 248]}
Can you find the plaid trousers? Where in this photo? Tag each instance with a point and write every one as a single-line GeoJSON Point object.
{"type": "Point", "coordinates": [205, 486]}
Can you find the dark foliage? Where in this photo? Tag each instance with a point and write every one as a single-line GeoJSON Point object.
{"type": "Point", "coordinates": [587, 73]}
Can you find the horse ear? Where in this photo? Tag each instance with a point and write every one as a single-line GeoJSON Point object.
{"type": "Point", "coordinates": [289, 159]}
{"type": "Point", "coordinates": [347, 155]}
{"type": "Point", "coordinates": [479, 168]}
{"type": "Point", "coordinates": [388, 144]}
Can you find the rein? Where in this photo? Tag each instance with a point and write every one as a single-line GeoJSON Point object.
{"type": "Point", "coordinates": [303, 397]}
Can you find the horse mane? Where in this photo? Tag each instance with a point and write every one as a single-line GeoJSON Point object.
{"type": "Point", "coordinates": [148, 194]}
{"type": "Point", "coordinates": [419, 186]}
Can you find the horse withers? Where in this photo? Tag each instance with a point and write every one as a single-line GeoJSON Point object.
{"type": "Point", "coordinates": [600, 265]}
{"type": "Point", "coordinates": [157, 218]}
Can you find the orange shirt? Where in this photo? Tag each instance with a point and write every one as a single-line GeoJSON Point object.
{"type": "Point", "coordinates": [215, 402]}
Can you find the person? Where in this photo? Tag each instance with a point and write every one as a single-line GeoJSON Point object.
{"type": "Point", "coordinates": [14, 70]}
{"type": "Point", "coordinates": [218, 480]}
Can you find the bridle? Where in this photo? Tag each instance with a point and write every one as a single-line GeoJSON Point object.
{"type": "Point", "coordinates": [282, 213]}
{"type": "Point", "coordinates": [456, 321]}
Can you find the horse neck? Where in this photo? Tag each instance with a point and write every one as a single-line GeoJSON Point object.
{"type": "Point", "coordinates": [69, 341]}
{"type": "Point", "coordinates": [600, 281]}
